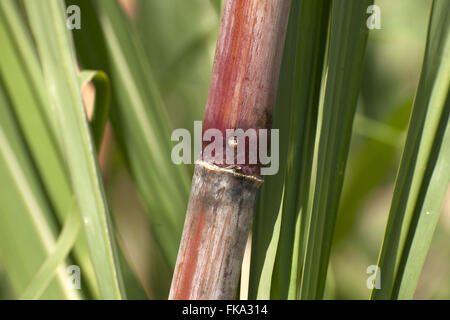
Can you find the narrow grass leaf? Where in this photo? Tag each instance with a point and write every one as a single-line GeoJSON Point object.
{"type": "Point", "coordinates": [267, 220]}
{"type": "Point", "coordinates": [426, 215]}
{"type": "Point", "coordinates": [62, 248]}
{"type": "Point", "coordinates": [27, 226]}
{"type": "Point", "coordinates": [21, 75]}
{"type": "Point", "coordinates": [345, 61]}
{"type": "Point", "coordinates": [100, 113]}
{"type": "Point", "coordinates": [425, 149]}
{"type": "Point", "coordinates": [58, 62]}
{"type": "Point", "coordinates": [138, 118]}
{"type": "Point", "coordinates": [308, 70]}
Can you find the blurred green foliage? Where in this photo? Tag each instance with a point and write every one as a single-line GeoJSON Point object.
{"type": "Point", "coordinates": [167, 48]}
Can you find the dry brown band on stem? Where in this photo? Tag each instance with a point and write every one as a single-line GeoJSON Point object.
{"type": "Point", "coordinates": [241, 96]}
{"type": "Point", "coordinates": [217, 223]}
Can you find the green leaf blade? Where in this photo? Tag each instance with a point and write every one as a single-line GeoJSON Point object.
{"type": "Point", "coordinates": [309, 65]}
{"type": "Point", "coordinates": [400, 268]}
{"type": "Point", "coordinates": [62, 84]}
{"type": "Point", "coordinates": [346, 52]}
{"type": "Point", "coordinates": [27, 225]}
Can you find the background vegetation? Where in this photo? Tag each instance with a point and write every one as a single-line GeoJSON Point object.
{"type": "Point", "coordinates": [122, 225]}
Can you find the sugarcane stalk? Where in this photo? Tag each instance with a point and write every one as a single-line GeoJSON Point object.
{"type": "Point", "coordinates": [223, 196]}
